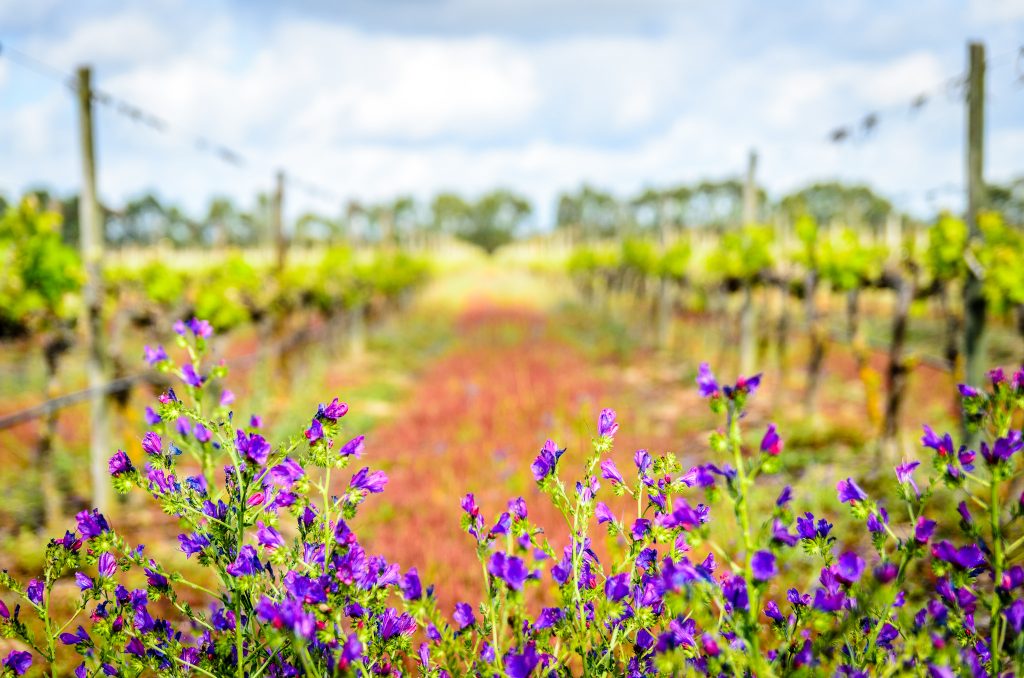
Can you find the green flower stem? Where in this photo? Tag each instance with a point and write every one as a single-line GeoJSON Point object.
{"type": "Point", "coordinates": [51, 650]}
{"type": "Point", "coordinates": [328, 537]}
{"type": "Point", "coordinates": [492, 609]}
{"type": "Point", "coordinates": [995, 639]}
{"type": "Point", "coordinates": [904, 561]}
{"type": "Point", "coordinates": [742, 511]}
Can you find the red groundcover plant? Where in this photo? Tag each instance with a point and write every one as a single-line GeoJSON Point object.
{"type": "Point", "coordinates": [296, 594]}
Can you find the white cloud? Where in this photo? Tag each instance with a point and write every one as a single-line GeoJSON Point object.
{"type": "Point", "coordinates": [371, 113]}
{"type": "Point", "coordinates": [990, 11]}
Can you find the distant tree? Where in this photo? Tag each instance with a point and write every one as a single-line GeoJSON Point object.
{"type": "Point", "coordinates": [715, 203]}
{"type": "Point", "coordinates": [1008, 200]}
{"type": "Point", "coordinates": [496, 219]}
{"type": "Point", "coordinates": [660, 210]}
{"type": "Point", "coordinates": [450, 214]}
{"type": "Point", "coordinates": [142, 221]}
{"type": "Point", "coordinates": [852, 205]}
{"type": "Point", "coordinates": [591, 212]}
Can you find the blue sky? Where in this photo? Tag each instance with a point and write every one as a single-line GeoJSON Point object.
{"type": "Point", "coordinates": [372, 98]}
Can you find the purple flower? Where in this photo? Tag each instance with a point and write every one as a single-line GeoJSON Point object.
{"type": "Point", "coordinates": [966, 557]}
{"type": "Point", "coordinates": [641, 528]}
{"type": "Point", "coordinates": [1015, 615]}
{"type": "Point", "coordinates": [166, 483]}
{"type": "Point", "coordinates": [18, 661]}
{"type": "Point", "coordinates": [510, 569]}
{"type": "Point", "coordinates": [333, 411]}
{"type": "Point", "coordinates": [1003, 448]}
{"type": "Point", "coordinates": [616, 587]}
{"type": "Point", "coordinates": [807, 529]}
{"type": "Point", "coordinates": [828, 602]}
{"type": "Point", "coordinates": [151, 417]}
{"type": "Point", "coordinates": [34, 591]}
{"type": "Point", "coordinates": [606, 425]}
{"type": "Point", "coordinates": [603, 513]}
{"type": "Point", "coordinates": [517, 507]}
{"type": "Point", "coordinates": [252, 446]}
{"type": "Point", "coordinates": [886, 572]}
{"type": "Point", "coordinates": [548, 617]}
{"type": "Point", "coordinates": [79, 636]}
{"type": "Point", "coordinates": [135, 647]}
{"type": "Point", "coordinates": [785, 496]}
{"type": "Point", "coordinates": [849, 491]}
{"type": "Point", "coordinates": [771, 442]}
{"type": "Point", "coordinates": [394, 624]}
{"type": "Point", "coordinates": [905, 474]}
{"type": "Point", "coordinates": [410, 585]}
{"type": "Point", "coordinates": [315, 431]}
{"type": "Point", "coordinates": [748, 384]}
{"type": "Point", "coordinates": [699, 476]}
{"type": "Point", "coordinates": [155, 355]}
{"type": "Point", "coordinates": [734, 589]}
{"type": "Point", "coordinates": [91, 523]}
{"type": "Point", "coordinates": [352, 650]}
{"type": "Point", "coordinates": [202, 433]}
{"type": "Point", "coordinates": [246, 564]}
{"type": "Point", "coordinates": [368, 481]}
{"type": "Point", "coordinates": [119, 463]}
{"type": "Point", "coordinates": [286, 473]}
{"type": "Point", "coordinates": [968, 391]}
{"type": "Point", "coordinates": [267, 536]}
{"type": "Point", "coordinates": [877, 521]}
{"type": "Point", "coordinates": [924, 529]}
{"type": "Point", "coordinates": [503, 524]}
{"type": "Point", "coordinates": [107, 564]}
{"type": "Point", "coordinates": [771, 610]}
{"type": "Point", "coordinates": [288, 614]}
{"type": "Point", "coordinates": [463, 615]}
{"type": "Point", "coordinates": [849, 567]}
{"type": "Point", "coordinates": [154, 578]}
{"type": "Point", "coordinates": [190, 376]}
{"type": "Point", "coordinates": [943, 445]}
{"type": "Point", "coordinates": [610, 472]}
{"type": "Point", "coordinates": [643, 461]}
{"type": "Point", "coordinates": [762, 565]}
{"type": "Point", "coordinates": [353, 448]}
{"type": "Point", "coordinates": [200, 328]}
{"type": "Point", "coordinates": [152, 444]}
{"type": "Point", "coordinates": [192, 544]}
{"type": "Point", "coordinates": [227, 397]}
{"type": "Point", "coordinates": [707, 386]}
{"type": "Point", "coordinates": [782, 535]}
{"type": "Point", "coordinates": [84, 581]}
{"type": "Point", "coordinates": [544, 464]}
{"type": "Point", "coordinates": [522, 664]}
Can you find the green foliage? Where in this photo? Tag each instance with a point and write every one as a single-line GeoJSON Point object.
{"type": "Point", "coordinates": [848, 262]}
{"type": "Point", "coordinates": [947, 242]}
{"type": "Point", "coordinates": [742, 254]}
{"type": "Point", "coordinates": [1001, 256]}
{"type": "Point", "coordinates": [639, 256]}
{"type": "Point", "coordinates": [675, 260]}
{"type": "Point", "coordinates": [229, 293]}
{"type": "Point", "coordinates": [39, 274]}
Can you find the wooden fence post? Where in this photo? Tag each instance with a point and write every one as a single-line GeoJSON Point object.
{"type": "Point", "coordinates": [91, 244]}
{"type": "Point", "coordinates": [974, 299]}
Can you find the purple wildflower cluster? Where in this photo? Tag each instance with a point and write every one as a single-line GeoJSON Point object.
{"type": "Point", "coordinates": [717, 572]}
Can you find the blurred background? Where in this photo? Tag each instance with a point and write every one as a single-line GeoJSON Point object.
{"type": "Point", "coordinates": [479, 223]}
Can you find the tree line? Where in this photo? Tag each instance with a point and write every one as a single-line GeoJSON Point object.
{"type": "Point", "coordinates": [493, 219]}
